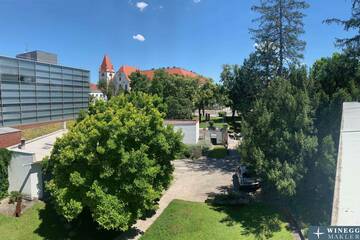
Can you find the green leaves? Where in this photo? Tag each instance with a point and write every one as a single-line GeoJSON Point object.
{"type": "Point", "coordinates": [279, 136]}
{"type": "Point", "coordinates": [5, 157]}
{"type": "Point", "coordinates": [116, 162]}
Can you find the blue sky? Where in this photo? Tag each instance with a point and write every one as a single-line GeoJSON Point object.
{"type": "Point", "coordinates": [198, 35]}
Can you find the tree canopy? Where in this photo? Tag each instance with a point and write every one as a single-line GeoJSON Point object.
{"type": "Point", "coordinates": [279, 136]}
{"type": "Point", "coordinates": [115, 162]}
{"type": "Point", "coordinates": [277, 36]}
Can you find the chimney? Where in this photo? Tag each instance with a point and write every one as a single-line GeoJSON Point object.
{"type": "Point", "coordinates": [22, 144]}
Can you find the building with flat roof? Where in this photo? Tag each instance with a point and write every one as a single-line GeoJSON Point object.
{"type": "Point", "coordinates": [33, 91]}
{"type": "Point", "coordinates": [39, 56]}
{"type": "Point", "coordinates": [346, 200]}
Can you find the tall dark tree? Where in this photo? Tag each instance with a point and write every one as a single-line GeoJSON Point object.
{"type": "Point", "coordinates": [139, 82]}
{"type": "Point", "coordinates": [243, 83]}
{"type": "Point", "coordinates": [280, 25]}
{"type": "Point", "coordinates": [351, 44]}
{"type": "Point", "coordinates": [278, 135]}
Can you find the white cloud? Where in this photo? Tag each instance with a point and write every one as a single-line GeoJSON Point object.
{"type": "Point", "coordinates": [196, 1]}
{"type": "Point", "coordinates": [141, 5]}
{"type": "Point", "coordinates": [139, 37]}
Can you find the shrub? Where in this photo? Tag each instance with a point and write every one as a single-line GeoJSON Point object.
{"type": "Point", "coordinates": [195, 151]}
{"type": "Point", "coordinates": [211, 124]}
{"type": "Point", "coordinates": [15, 196]}
{"type": "Point", "coordinates": [222, 114]}
{"type": "Point", "coordinates": [5, 157]}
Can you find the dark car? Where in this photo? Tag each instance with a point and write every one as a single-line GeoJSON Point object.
{"type": "Point", "coordinates": [247, 181]}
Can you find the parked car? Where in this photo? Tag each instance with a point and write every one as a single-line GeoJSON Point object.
{"type": "Point", "coordinates": [247, 181]}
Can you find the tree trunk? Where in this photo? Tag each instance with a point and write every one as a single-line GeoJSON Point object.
{"type": "Point", "coordinates": [199, 109]}
{"type": "Point", "coordinates": [233, 115]}
{"type": "Point", "coordinates": [18, 208]}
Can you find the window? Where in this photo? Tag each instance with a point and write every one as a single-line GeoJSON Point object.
{"type": "Point", "coordinates": [103, 74]}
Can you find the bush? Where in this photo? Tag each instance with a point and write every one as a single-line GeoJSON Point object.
{"type": "Point", "coordinates": [15, 196]}
{"type": "Point", "coordinates": [5, 157]}
{"type": "Point", "coordinates": [222, 114]}
{"type": "Point", "coordinates": [211, 124]}
{"type": "Point", "coordinates": [195, 151]}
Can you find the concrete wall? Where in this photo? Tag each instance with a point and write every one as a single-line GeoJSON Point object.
{"type": "Point", "coordinates": [190, 132]}
{"type": "Point", "coordinates": [25, 175]}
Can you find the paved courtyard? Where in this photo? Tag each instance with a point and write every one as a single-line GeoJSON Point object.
{"type": "Point", "coordinates": [194, 180]}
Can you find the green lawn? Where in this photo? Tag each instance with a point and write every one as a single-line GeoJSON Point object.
{"type": "Point", "coordinates": [41, 222]}
{"type": "Point", "coordinates": [217, 152]}
{"type": "Point", "coordinates": [184, 220]}
{"type": "Point", "coordinates": [218, 122]}
{"type": "Point", "coordinates": [35, 132]}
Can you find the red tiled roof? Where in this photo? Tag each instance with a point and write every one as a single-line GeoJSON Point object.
{"type": "Point", "coordinates": [127, 70]}
{"type": "Point", "coordinates": [94, 88]}
{"type": "Point", "coordinates": [106, 65]}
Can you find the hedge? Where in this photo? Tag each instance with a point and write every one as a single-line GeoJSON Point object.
{"type": "Point", "coordinates": [5, 157]}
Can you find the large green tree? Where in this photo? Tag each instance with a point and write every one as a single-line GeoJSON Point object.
{"type": "Point", "coordinates": [280, 25]}
{"type": "Point", "coordinates": [179, 93]}
{"type": "Point", "coordinates": [351, 44]}
{"type": "Point", "coordinates": [206, 97]}
{"type": "Point", "coordinates": [115, 162]}
{"type": "Point", "coordinates": [139, 82]}
{"type": "Point", "coordinates": [244, 83]}
{"type": "Point", "coordinates": [336, 80]}
{"type": "Point", "coordinates": [279, 135]}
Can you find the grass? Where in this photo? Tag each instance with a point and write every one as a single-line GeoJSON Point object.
{"type": "Point", "coordinates": [32, 133]}
{"type": "Point", "coordinates": [184, 220]}
{"type": "Point", "coordinates": [218, 122]}
{"type": "Point", "coordinates": [42, 222]}
{"type": "Point", "coordinates": [217, 152]}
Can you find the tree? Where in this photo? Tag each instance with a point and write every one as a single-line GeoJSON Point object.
{"type": "Point", "coordinates": [139, 82]}
{"type": "Point", "coordinates": [336, 80]}
{"type": "Point", "coordinates": [244, 83]}
{"type": "Point", "coordinates": [107, 88]}
{"type": "Point", "coordinates": [228, 80]}
{"type": "Point", "coordinates": [114, 163]}
{"type": "Point", "coordinates": [278, 135]}
{"type": "Point", "coordinates": [177, 92]}
{"type": "Point", "coordinates": [5, 158]}
{"type": "Point", "coordinates": [351, 44]}
{"type": "Point", "coordinates": [279, 26]}
{"type": "Point", "coordinates": [206, 97]}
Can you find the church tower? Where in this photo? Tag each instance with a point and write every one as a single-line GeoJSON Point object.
{"type": "Point", "coordinates": [106, 71]}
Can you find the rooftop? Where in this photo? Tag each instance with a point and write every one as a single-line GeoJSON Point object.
{"type": "Point", "coordinates": [5, 130]}
{"type": "Point", "coordinates": [106, 65]}
{"type": "Point", "coordinates": [94, 88]}
{"type": "Point", "coordinates": [127, 70]}
{"type": "Point", "coordinates": [41, 146]}
{"type": "Point", "coordinates": [346, 207]}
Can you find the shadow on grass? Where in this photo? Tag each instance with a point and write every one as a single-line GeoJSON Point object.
{"type": "Point", "coordinates": [217, 152]}
{"type": "Point", "coordinates": [56, 227]}
{"type": "Point", "coordinates": [256, 219]}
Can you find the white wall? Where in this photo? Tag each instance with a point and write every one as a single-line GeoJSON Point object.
{"type": "Point", "coordinates": [25, 175]}
{"type": "Point", "coordinates": [190, 132]}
